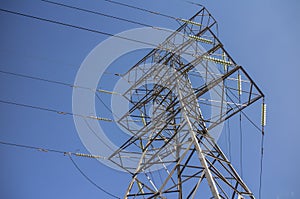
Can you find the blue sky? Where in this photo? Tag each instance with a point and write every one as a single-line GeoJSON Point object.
{"type": "Point", "coordinates": [262, 36]}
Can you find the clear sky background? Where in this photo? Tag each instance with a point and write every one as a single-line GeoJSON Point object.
{"type": "Point", "coordinates": [261, 35]}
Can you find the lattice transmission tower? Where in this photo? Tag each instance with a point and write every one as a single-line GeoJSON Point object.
{"type": "Point", "coordinates": [180, 95]}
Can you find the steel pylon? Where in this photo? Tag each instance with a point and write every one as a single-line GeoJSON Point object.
{"type": "Point", "coordinates": [179, 94]}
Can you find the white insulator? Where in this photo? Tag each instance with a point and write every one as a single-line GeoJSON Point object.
{"type": "Point", "coordinates": [263, 114]}
{"type": "Point", "coordinates": [105, 91]}
{"type": "Point", "coordinates": [219, 61]}
{"type": "Point", "coordinates": [143, 119]}
{"type": "Point", "coordinates": [203, 40]}
{"type": "Point", "coordinates": [191, 22]}
{"type": "Point", "coordinates": [224, 58]}
{"type": "Point", "coordinates": [100, 118]}
{"type": "Point", "coordinates": [239, 84]}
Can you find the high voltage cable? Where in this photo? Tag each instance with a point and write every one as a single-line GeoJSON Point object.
{"type": "Point", "coordinates": [60, 112]}
{"type": "Point", "coordinates": [261, 165]}
{"type": "Point", "coordinates": [66, 84]}
{"type": "Point", "coordinates": [240, 125]}
{"type": "Point", "coordinates": [33, 147]}
{"type": "Point", "coordinates": [69, 85]}
{"type": "Point", "coordinates": [81, 28]}
{"type": "Point", "coordinates": [96, 134]}
{"type": "Point", "coordinates": [36, 78]}
{"type": "Point", "coordinates": [96, 31]}
{"type": "Point", "coordinates": [107, 107]}
{"type": "Point", "coordinates": [241, 145]}
{"type": "Point", "coordinates": [242, 112]}
{"type": "Point", "coordinates": [96, 13]}
{"type": "Point", "coordinates": [76, 27]}
{"type": "Point", "coordinates": [41, 149]}
{"type": "Point", "coordinates": [142, 9]}
{"type": "Point", "coordinates": [155, 12]}
{"type": "Point", "coordinates": [253, 123]}
{"type": "Point", "coordinates": [105, 15]}
{"type": "Point", "coordinates": [90, 180]}
{"type": "Point", "coordinates": [55, 111]}
{"type": "Point", "coordinates": [261, 156]}
{"type": "Point", "coordinates": [95, 90]}
{"type": "Point", "coordinates": [229, 138]}
{"type": "Point", "coordinates": [193, 3]}
{"type": "Point", "coordinates": [56, 82]}
{"type": "Point", "coordinates": [69, 154]}
{"type": "Point", "coordinates": [87, 29]}
{"type": "Point", "coordinates": [198, 4]}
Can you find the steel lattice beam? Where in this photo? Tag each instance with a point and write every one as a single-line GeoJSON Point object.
{"type": "Point", "coordinates": [172, 132]}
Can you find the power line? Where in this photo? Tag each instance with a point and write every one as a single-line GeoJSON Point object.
{"type": "Point", "coordinates": [101, 91]}
{"type": "Point", "coordinates": [97, 136]}
{"type": "Point", "coordinates": [261, 166]}
{"type": "Point", "coordinates": [253, 123]}
{"type": "Point", "coordinates": [97, 13]}
{"type": "Point", "coordinates": [241, 145]}
{"type": "Point", "coordinates": [105, 15]}
{"type": "Point", "coordinates": [55, 111]}
{"type": "Point", "coordinates": [90, 180]}
{"type": "Point", "coordinates": [56, 82]}
{"type": "Point", "coordinates": [261, 155]}
{"type": "Point", "coordinates": [158, 13]}
{"type": "Point", "coordinates": [193, 3]}
{"type": "Point", "coordinates": [229, 139]}
{"type": "Point", "coordinates": [240, 121]}
{"type": "Point", "coordinates": [60, 112]}
{"type": "Point", "coordinates": [41, 149]}
{"type": "Point", "coordinates": [32, 147]}
{"type": "Point", "coordinates": [36, 78]}
{"type": "Point", "coordinates": [76, 27]}
{"type": "Point", "coordinates": [69, 154]}
{"type": "Point", "coordinates": [107, 107]}
{"type": "Point", "coordinates": [142, 9]}
{"type": "Point", "coordinates": [65, 84]}
{"type": "Point", "coordinates": [88, 29]}
{"type": "Point", "coordinates": [241, 111]}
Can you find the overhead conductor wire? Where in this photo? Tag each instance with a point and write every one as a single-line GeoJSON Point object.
{"type": "Point", "coordinates": [102, 14]}
{"type": "Point", "coordinates": [96, 91]}
{"type": "Point", "coordinates": [105, 15]}
{"type": "Point", "coordinates": [155, 12]}
{"type": "Point", "coordinates": [142, 9]}
{"type": "Point", "coordinates": [69, 154]}
{"type": "Point", "coordinates": [56, 82]}
{"type": "Point", "coordinates": [262, 149]}
{"type": "Point", "coordinates": [55, 111]}
{"type": "Point", "coordinates": [87, 29]}
{"type": "Point", "coordinates": [52, 150]}
{"type": "Point", "coordinates": [240, 121]}
{"type": "Point", "coordinates": [98, 13]}
{"type": "Point", "coordinates": [261, 166]}
{"type": "Point", "coordinates": [91, 181]}
{"type": "Point", "coordinates": [75, 26]}
{"type": "Point", "coordinates": [241, 144]}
